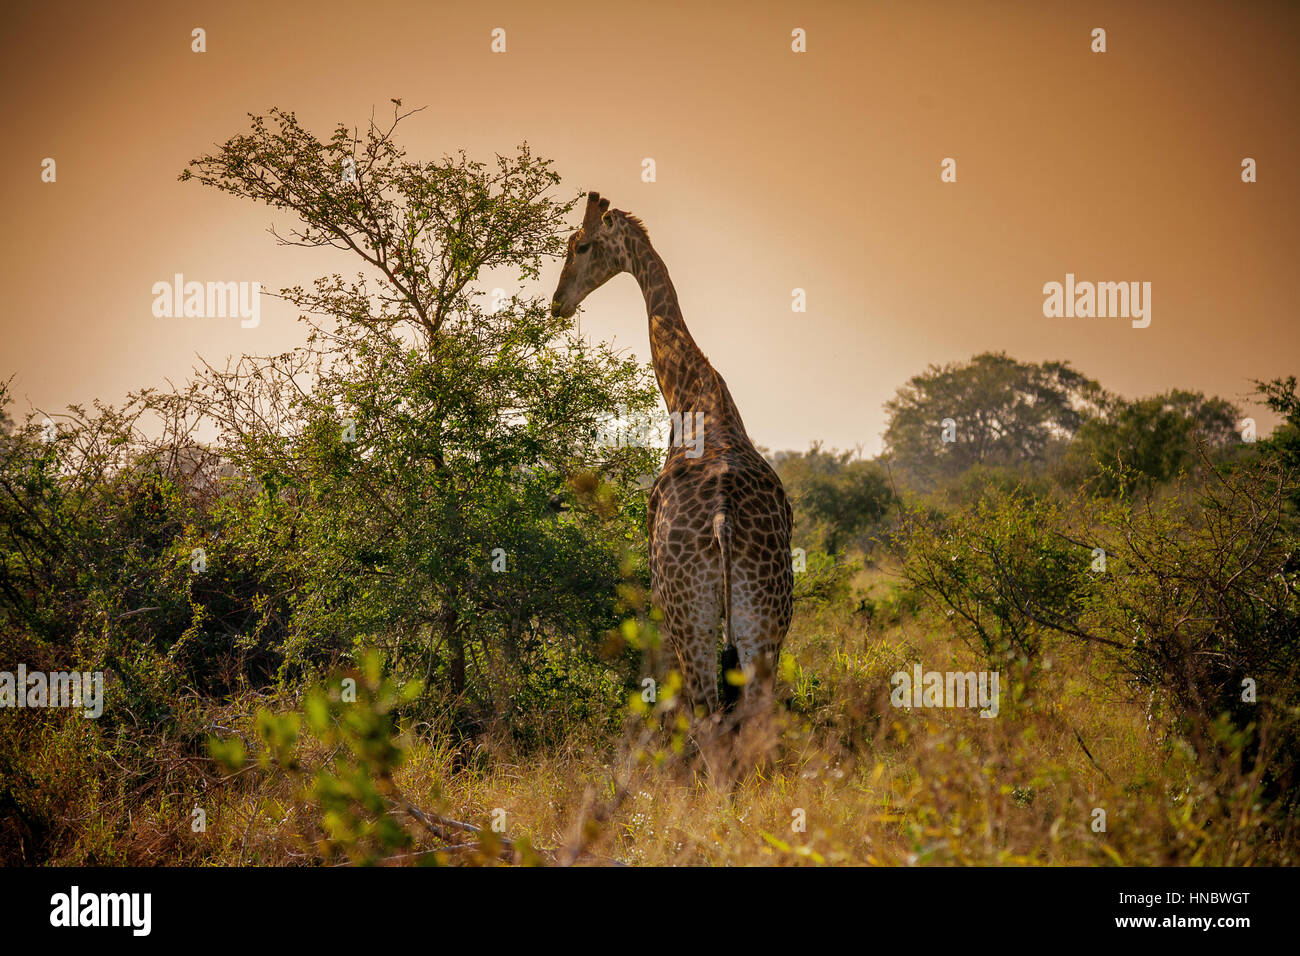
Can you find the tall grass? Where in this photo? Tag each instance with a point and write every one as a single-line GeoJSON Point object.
{"type": "Point", "coordinates": [844, 778]}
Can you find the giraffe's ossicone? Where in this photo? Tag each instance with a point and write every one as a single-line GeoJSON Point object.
{"type": "Point", "coordinates": [719, 520]}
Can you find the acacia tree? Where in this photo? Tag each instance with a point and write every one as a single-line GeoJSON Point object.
{"type": "Point", "coordinates": [414, 459]}
{"type": "Point", "coordinates": [998, 412]}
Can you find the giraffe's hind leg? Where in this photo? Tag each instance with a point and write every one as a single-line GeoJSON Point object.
{"type": "Point", "coordinates": [696, 646]}
{"type": "Point", "coordinates": [760, 621]}
{"type": "Point", "coordinates": [687, 588]}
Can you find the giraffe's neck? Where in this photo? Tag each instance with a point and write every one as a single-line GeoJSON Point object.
{"type": "Point", "coordinates": [687, 380]}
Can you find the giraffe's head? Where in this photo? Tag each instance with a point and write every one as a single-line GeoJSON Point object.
{"type": "Point", "coordinates": [595, 256]}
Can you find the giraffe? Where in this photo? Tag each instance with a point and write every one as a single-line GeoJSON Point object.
{"type": "Point", "coordinates": [719, 521]}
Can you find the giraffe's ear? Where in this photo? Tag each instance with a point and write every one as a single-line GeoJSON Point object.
{"type": "Point", "coordinates": [607, 219]}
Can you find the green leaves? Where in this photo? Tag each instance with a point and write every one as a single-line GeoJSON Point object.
{"type": "Point", "coordinates": [279, 733]}
{"type": "Point", "coordinates": [351, 721]}
{"type": "Point", "coordinates": [427, 230]}
{"type": "Point", "coordinates": [467, 419]}
{"type": "Point", "coordinates": [230, 753]}
{"type": "Point", "coordinates": [1140, 444]}
{"type": "Point", "coordinates": [1001, 569]}
{"type": "Point", "coordinates": [838, 500]}
{"type": "Point", "coordinates": [1001, 412]}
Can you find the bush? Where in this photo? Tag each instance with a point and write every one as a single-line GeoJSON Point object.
{"type": "Point", "coordinates": [1192, 596]}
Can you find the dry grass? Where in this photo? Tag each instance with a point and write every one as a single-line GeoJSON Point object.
{"type": "Point", "coordinates": [870, 783]}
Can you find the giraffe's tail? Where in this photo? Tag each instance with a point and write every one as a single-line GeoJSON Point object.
{"type": "Point", "coordinates": [730, 656]}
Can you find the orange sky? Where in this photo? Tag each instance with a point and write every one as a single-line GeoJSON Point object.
{"type": "Point", "coordinates": [775, 171]}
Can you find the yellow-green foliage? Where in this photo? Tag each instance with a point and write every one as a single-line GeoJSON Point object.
{"type": "Point", "coordinates": [323, 779]}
